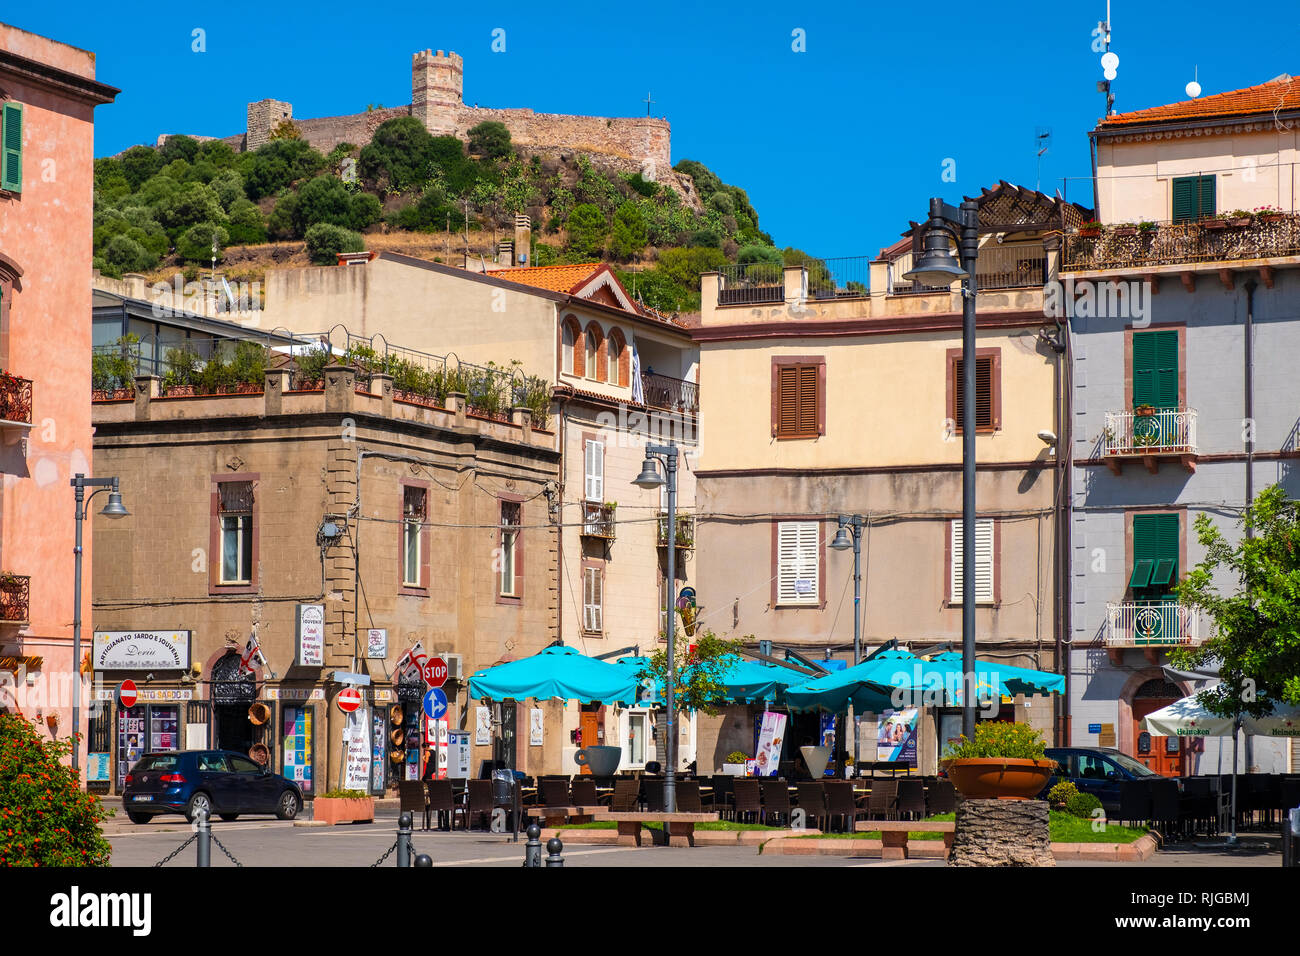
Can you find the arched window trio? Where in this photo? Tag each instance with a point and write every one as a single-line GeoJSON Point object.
{"type": "Point", "coordinates": [593, 354]}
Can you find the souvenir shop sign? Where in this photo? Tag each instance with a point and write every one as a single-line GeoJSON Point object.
{"type": "Point", "coordinates": [140, 650]}
{"type": "Point", "coordinates": [145, 695]}
{"type": "Point", "coordinates": [309, 634]}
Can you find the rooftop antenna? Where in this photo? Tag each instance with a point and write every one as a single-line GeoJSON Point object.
{"type": "Point", "coordinates": [1109, 61]}
{"type": "Point", "coordinates": [1042, 139]}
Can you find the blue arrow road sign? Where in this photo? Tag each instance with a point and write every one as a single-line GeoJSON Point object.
{"type": "Point", "coordinates": [435, 703]}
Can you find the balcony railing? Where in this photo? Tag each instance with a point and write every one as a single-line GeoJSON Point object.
{"type": "Point", "coordinates": [751, 283]}
{"type": "Point", "coordinates": [1152, 624]}
{"type": "Point", "coordinates": [598, 521]}
{"type": "Point", "coordinates": [685, 531]}
{"type": "Point", "coordinates": [673, 394]}
{"type": "Point", "coordinates": [900, 286]}
{"type": "Point", "coordinates": [15, 598]}
{"type": "Point", "coordinates": [848, 277]}
{"type": "Point", "coordinates": [1170, 243]}
{"type": "Point", "coordinates": [1165, 431]}
{"type": "Point", "coordinates": [15, 399]}
{"type": "Point", "coordinates": [998, 267]}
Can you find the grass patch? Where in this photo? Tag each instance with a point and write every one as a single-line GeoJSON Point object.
{"type": "Point", "coordinates": [708, 825]}
{"type": "Point", "coordinates": [1063, 827]}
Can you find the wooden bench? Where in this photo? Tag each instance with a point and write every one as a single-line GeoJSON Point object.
{"type": "Point", "coordinates": [679, 828]}
{"type": "Point", "coordinates": [893, 834]}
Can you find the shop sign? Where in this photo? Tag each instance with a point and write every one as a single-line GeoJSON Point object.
{"type": "Point", "coordinates": [141, 650]}
{"type": "Point", "coordinates": [357, 756]}
{"type": "Point", "coordinates": [482, 726]}
{"type": "Point", "coordinates": [309, 635]}
{"type": "Point", "coordinates": [379, 696]}
{"type": "Point", "coordinates": [377, 643]}
{"type": "Point", "coordinates": [536, 723]}
{"type": "Point", "coordinates": [97, 768]}
{"type": "Point", "coordinates": [147, 695]}
{"type": "Point", "coordinates": [295, 693]}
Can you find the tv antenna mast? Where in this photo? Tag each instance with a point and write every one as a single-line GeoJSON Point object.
{"type": "Point", "coordinates": [1109, 60]}
{"type": "Point", "coordinates": [1042, 139]}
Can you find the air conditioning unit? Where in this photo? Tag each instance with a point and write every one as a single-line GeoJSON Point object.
{"type": "Point", "coordinates": [455, 666]}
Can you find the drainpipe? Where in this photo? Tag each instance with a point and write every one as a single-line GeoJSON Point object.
{"type": "Point", "coordinates": [1249, 349]}
{"type": "Point", "coordinates": [1065, 436]}
{"type": "Point", "coordinates": [563, 402]}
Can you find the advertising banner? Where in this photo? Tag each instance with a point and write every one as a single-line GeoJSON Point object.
{"type": "Point", "coordinates": [536, 723]}
{"type": "Point", "coordinates": [356, 772]}
{"type": "Point", "coordinates": [829, 725]}
{"type": "Point", "coordinates": [141, 650]}
{"type": "Point", "coordinates": [767, 758]}
{"type": "Point", "coordinates": [896, 735]}
{"type": "Point", "coordinates": [310, 634]}
{"type": "Point", "coordinates": [482, 726]}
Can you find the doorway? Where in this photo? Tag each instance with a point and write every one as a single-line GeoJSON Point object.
{"type": "Point", "coordinates": [591, 726]}
{"type": "Point", "coordinates": [1164, 755]}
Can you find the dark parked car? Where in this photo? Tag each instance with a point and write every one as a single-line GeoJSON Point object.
{"type": "Point", "coordinates": [1096, 770]}
{"type": "Point", "coordinates": [220, 782]}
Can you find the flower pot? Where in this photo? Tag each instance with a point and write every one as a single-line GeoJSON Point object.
{"type": "Point", "coordinates": [1090, 233]}
{"type": "Point", "coordinates": [1126, 231]}
{"type": "Point", "coordinates": [816, 758]}
{"type": "Point", "coordinates": [1239, 223]}
{"type": "Point", "coordinates": [999, 778]}
{"type": "Point", "coordinates": [1270, 218]}
{"type": "Point", "coordinates": [344, 809]}
{"type": "Point", "coordinates": [733, 769]}
{"type": "Point", "coordinates": [1214, 223]}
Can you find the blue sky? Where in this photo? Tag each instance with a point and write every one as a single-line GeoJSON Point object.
{"type": "Point", "coordinates": [837, 146]}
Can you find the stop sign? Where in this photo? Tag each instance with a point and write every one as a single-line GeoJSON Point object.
{"type": "Point", "coordinates": [349, 699]}
{"type": "Point", "coordinates": [434, 672]}
{"type": "Point", "coordinates": [126, 693]}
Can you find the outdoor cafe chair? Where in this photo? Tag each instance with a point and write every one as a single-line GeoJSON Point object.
{"type": "Point", "coordinates": [479, 804]}
{"type": "Point", "coordinates": [883, 799]}
{"type": "Point", "coordinates": [1134, 801]}
{"type": "Point", "coordinates": [688, 796]}
{"type": "Point", "coordinates": [776, 799]}
{"type": "Point", "coordinates": [411, 799]}
{"type": "Point", "coordinates": [1165, 805]}
{"type": "Point", "coordinates": [627, 790]}
{"type": "Point", "coordinates": [748, 799]}
{"type": "Point", "coordinates": [652, 789]}
{"type": "Point", "coordinates": [811, 795]}
{"type": "Point", "coordinates": [1200, 805]}
{"type": "Point", "coordinates": [554, 792]}
{"type": "Point", "coordinates": [911, 798]}
{"type": "Point", "coordinates": [583, 792]}
{"type": "Point", "coordinates": [941, 797]}
{"type": "Point", "coordinates": [442, 800]}
{"type": "Point", "coordinates": [841, 806]}
{"type": "Point", "coordinates": [722, 793]}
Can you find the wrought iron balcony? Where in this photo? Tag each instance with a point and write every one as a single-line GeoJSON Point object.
{"type": "Point", "coordinates": [598, 520]}
{"type": "Point", "coordinates": [15, 399]}
{"type": "Point", "coordinates": [15, 598]}
{"type": "Point", "coordinates": [1223, 239]}
{"type": "Point", "coordinates": [685, 531]}
{"type": "Point", "coordinates": [1152, 624]}
{"type": "Point", "coordinates": [1148, 435]}
{"type": "Point", "coordinates": [674, 394]}
{"type": "Point", "coordinates": [749, 283]}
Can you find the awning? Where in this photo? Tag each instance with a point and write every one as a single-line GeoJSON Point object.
{"type": "Point", "coordinates": [557, 672]}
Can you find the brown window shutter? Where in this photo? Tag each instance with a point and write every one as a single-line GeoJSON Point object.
{"type": "Point", "coordinates": [787, 422]}
{"type": "Point", "coordinates": [983, 392]}
{"type": "Point", "coordinates": [807, 400]}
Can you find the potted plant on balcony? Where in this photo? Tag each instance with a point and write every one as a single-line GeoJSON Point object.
{"type": "Point", "coordinates": [1239, 218]}
{"type": "Point", "coordinates": [1268, 214]}
{"type": "Point", "coordinates": [1214, 222]}
{"type": "Point", "coordinates": [1146, 226]}
{"type": "Point", "coordinates": [1091, 228]}
{"type": "Point", "coordinates": [344, 806]}
{"type": "Point", "coordinates": [1004, 762]}
{"type": "Point", "coordinates": [1125, 229]}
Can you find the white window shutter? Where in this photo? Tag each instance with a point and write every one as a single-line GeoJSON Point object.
{"type": "Point", "coordinates": [594, 485]}
{"type": "Point", "coordinates": [983, 561]}
{"type": "Point", "coordinates": [797, 562]}
{"type": "Point", "coordinates": [586, 599]}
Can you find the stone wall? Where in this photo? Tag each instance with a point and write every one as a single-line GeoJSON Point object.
{"type": "Point", "coordinates": [263, 117]}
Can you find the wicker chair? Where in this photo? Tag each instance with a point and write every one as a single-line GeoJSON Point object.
{"type": "Point", "coordinates": [411, 799]}
{"type": "Point", "coordinates": [652, 789]}
{"type": "Point", "coordinates": [749, 799]}
{"type": "Point", "coordinates": [627, 793]}
{"type": "Point", "coordinates": [442, 800]}
{"type": "Point", "coordinates": [941, 797]}
{"type": "Point", "coordinates": [688, 796]}
{"type": "Point", "coordinates": [812, 801]}
{"type": "Point", "coordinates": [553, 792]}
{"type": "Point", "coordinates": [776, 799]}
{"type": "Point", "coordinates": [883, 802]}
{"type": "Point", "coordinates": [841, 804]}
{"type": "Point", "coordinates": [583, 792]}
{"type": "Point", "coordinates": [911, 798]}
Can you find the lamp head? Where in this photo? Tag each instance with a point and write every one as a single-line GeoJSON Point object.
{"type": "Point", "coordinates": [649, 477]}
{"type": "Point", "coordinates": [936, 266]}
{"type": "Point", "coordinates": [114, 508]}
{"type": "Point", "coordinates": [842, 541]}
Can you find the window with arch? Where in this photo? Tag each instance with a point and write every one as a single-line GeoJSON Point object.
{"type": "Point", "coordinates": [567, 343]}
{"type": "Point", "coordinates": [613, 358]}
{"type": "Point", "coordinates": [593, 353]}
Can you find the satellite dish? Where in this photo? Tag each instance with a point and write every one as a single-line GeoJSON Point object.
{"type": "Point", "coordinates": [1109, 61]}
{"type": "Point", "coordinates": [1193, 89]}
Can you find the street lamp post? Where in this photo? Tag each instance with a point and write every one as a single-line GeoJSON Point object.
{"type": "Point", "coordinates": [853, 524]}
{"type": "Point", "coordinates": [650, 478]}
{"type": "Point", "coordinates": [113, 509]}
{"type": "Point", "coordinates": [936, 266]}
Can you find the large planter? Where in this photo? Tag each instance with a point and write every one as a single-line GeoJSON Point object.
{"type": "Point", "coordinates": [733, 769]}
{"type": "Point", "coordinates": [343, 809]}
{"type": "Point", "coordinates": [999, 778]}
{"type": "Point", "coordinates": [816, 758]}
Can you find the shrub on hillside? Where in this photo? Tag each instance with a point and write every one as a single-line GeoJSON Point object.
{"type": "Point", "coordinates": [228, 186]}
{"type": "Point", "coordinates": [124, 254]}
{"type": "Point", "coordinates": [45, 817]}
{"type": "Point", "coordinates": [278, 164]}
{"type": "Point", "coordinates": [398, 156]}
{"type": "Point", "coordinates": [139, 164]}
{"type": "Point", "coordinates": [325, 241]}
{"type": "Point", "coordinates": [628, 236]}
{"type": "Point", "coordinates": [431, 212]}
{"type": "Point", "coordinates": [196, 243]}
{"type": "Point", "coordinates": [247, 227]}
{"type": "Point", "coordinates": [490, 139]}
{"type": "Point", "coordinates": [193, 203]}
{"type": "Point", "coordinates": [179, 147]}
{"type": "Point", "coordinates": [586, 226]}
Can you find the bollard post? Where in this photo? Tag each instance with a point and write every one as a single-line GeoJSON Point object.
{"type": "Point", "coordinates": [424, 860]}
{"type": "Point", "coordinates": [533, 848]}
{"type": "Point", "coordinates": [204, 842]}
{"type": "Point", "coordinates": [553, 847]}
{"type": "Point", "coordinates": [404, 839]}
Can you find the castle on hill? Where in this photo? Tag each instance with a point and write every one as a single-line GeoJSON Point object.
{"type": "Point", "coordinates": [636, 144]}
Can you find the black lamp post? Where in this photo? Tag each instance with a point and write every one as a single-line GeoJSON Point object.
{"type": "Point", "coordinates": [937, 266]}
{"type": "Point", "coordinates": [649, 478]}
{"type": "Point", "coordinates": [851, 527]}
{"type": "Point", "coordinates": [114, 509]}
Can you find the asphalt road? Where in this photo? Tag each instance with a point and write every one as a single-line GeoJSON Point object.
{"type": "Point", "coordinates": [265, 841]}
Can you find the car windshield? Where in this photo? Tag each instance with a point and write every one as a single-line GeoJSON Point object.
{"type": "Point", "coordinates": [1132, 766]}
{"type": "Point", "coordinates": [158, 762]}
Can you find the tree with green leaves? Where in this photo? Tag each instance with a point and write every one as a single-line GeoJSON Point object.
{"type": "Point", "coordinates": [698, 674]}
{"type": "Point", "coordinates": [587, 227]}
{"type": "Point", "coordinates": [629, 235]}
{"type": "Point", "coordinates": [490, 139]}
{"type": "Point", "coordinates": [1256, 619]}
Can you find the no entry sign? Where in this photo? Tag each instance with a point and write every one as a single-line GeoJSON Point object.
{"type": "Point", "coordinates": [126, 693]}
{"type": "Point", "coordinates": [434, 672]}
{"type": "Point", "coordinates": [349, 699]}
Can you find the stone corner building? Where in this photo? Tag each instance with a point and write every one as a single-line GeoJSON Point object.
{"type": "Point", "coordinates": [430, 523]}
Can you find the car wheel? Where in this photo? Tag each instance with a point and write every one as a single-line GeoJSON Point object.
{"type": "Point", "coordinates": [288, 806]}
{"type": "Point", "coordinates": [228, 817]}
{"type": "Point", "coordinates": [139, 817]}
{"type": "Point", "coordinates": [200, 801]}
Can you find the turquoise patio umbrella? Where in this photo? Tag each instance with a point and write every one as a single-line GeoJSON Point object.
{"type": "Point", "coordinates": [743, 681]}
{"type": "Point", "coordinates": [648, 692]}
{"type": "Point", "coordinates": [557, 672]}
{"type": "Point", "coordinates": [1015, 680]}
{"type": "Point", "coordinates": [865, 684]}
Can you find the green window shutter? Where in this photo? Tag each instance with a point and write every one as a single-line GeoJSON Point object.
{"type": "Point", "coordinates": [1194, 197]}
{"type": "Point", "coordinates": [1155, 551]}
{"type": "Point", "coordinates": [1155, 368]}
{"type": "Point", "coordinates": [1141, 574]}
{"type": "Point", "coordinates": [1164, 571]}
{"type": "Point", "coordinates": [11, 147]}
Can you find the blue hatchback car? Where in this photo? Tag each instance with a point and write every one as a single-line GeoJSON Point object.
{"type": "Point", "coordinates": [220, 782]}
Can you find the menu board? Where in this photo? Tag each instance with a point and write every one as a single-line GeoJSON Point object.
{"type": "Point", "coordinates": [297, 727]}
{"type": "Point", "coordinates": [356, 763]}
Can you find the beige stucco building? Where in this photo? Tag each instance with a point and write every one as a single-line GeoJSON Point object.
{"type": "Point", "coordinates": [827, 399]}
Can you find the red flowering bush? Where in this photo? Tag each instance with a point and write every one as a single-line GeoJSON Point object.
{"type": "Point", "coordinates": [46, 819]}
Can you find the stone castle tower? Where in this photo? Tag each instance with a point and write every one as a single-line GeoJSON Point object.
{"type": "Point", "coordinates": [264, 116]}
{"type": "Point", "coordinates": [437, 89]}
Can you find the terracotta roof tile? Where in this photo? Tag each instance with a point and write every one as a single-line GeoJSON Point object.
{"type": "Point", "coordinates": [1283, 92]}
{"type": "Point", "coordinates": [562, 278]}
